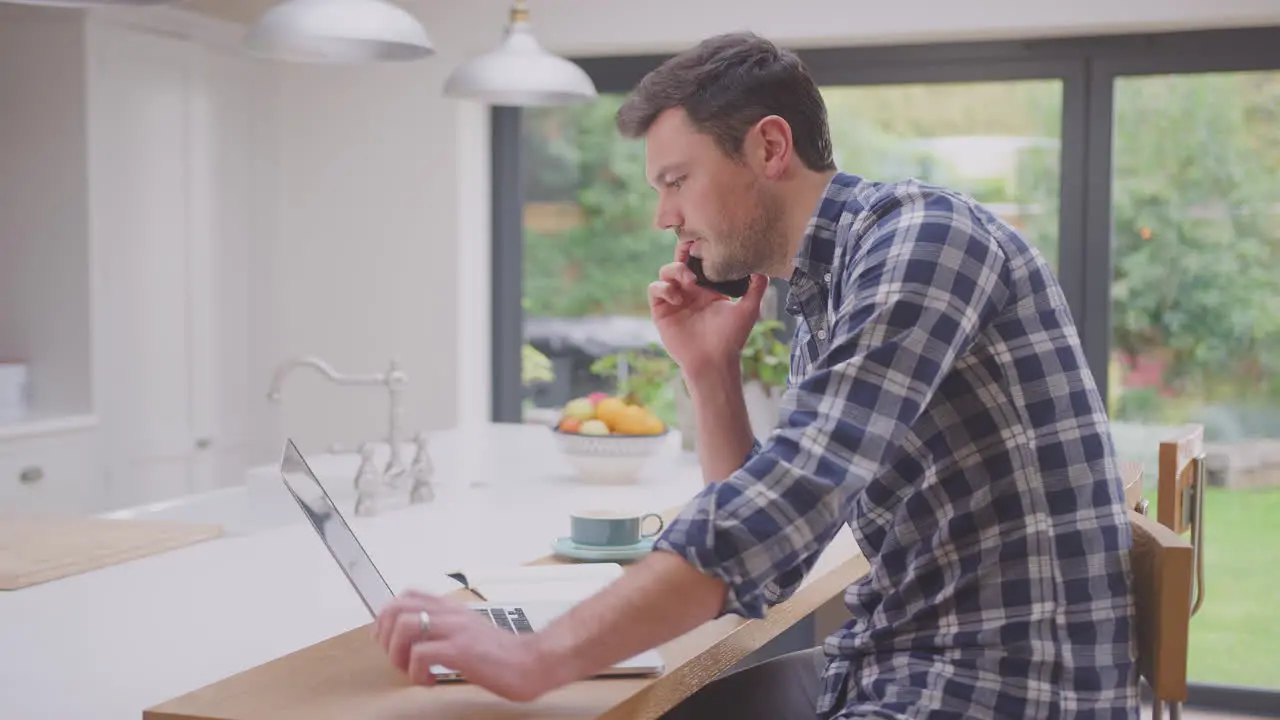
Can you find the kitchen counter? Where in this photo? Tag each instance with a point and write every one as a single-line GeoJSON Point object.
{"type": "Point", "coordinates": [109, 643]}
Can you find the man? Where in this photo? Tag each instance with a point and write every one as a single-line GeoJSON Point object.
{"type": "Point", "coordinates": [939, 405]}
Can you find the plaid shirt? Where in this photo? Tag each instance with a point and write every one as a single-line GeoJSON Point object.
{"type": "Point", "coordinates": [940, 405]}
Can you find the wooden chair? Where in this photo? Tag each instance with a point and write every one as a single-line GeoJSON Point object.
{"type": "Point", "coordinates": [1180, 495]}
{"type": "Point", "coordinates": [1162, 563]}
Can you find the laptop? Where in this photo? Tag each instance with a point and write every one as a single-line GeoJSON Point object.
{"type": "Point", "coordinates": [374, 591]}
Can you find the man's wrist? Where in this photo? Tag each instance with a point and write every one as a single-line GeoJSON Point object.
{"type": "Point", "coordinates": [715, 378]}
{"type": "Point", "coordinates": [553, 659]}
{"type": "Point", "coordinates": [661, 597]}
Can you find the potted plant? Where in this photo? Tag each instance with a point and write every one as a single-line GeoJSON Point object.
{"type": "Point", "coordinates": [766, 364]}
{"type": "Point", "coordinates": [644, 377]}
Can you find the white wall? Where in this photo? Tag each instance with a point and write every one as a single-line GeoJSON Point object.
{"type": "Point", "coordinates": [370, 236]}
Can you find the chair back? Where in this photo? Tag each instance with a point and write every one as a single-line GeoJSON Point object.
{"type": "Point", "coordinates": [1162, 563]}
{"type": "Point", "coordinates": [1180, 495]}
{"type": "Point", "coordinates": [1180, 470]}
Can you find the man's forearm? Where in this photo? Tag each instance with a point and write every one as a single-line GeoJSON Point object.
{"type": "Point", "coordinates": [660, 598]}
{"type": "Point", "coordinates": [724, 429]}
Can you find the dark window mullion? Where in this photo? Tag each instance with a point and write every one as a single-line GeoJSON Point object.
{"type": "Point", "coordinates": [1096, 248]}
{"type": "Point", "coordinates": [508, 266]}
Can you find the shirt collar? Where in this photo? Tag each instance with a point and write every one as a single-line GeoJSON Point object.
{"type": "Point", "coordinates": [817, 251]}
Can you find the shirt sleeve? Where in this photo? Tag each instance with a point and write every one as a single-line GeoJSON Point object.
{"type": "Point", "coordinates": [928, 280]}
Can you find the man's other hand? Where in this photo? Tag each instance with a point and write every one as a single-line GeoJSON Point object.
{"type": "Point", "coordinates": [498, 660]}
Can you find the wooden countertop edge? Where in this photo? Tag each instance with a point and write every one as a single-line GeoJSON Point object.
{"type": "Point", "coordinates": [662, 693]}
{"type": "Point", "coordinates": [728, 640]}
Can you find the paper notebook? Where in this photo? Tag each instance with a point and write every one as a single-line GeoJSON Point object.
{"type": "Point", "coordinates": [538, 583]}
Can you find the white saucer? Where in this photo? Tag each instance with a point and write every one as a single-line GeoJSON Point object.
{"type": "Point", "coordinates": [565, 547]}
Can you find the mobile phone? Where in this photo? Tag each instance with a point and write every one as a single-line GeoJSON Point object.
{"type": "Point", "coordinates": [732, 288]}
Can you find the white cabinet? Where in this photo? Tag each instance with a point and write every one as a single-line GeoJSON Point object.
{"type": "Point", "coordinates": [44, 468]}
{"type": "Point", "coordinates": [135, 256]}
{"type": "Point", "coordinates": [146, 295]}
{"type": "Point", "coordinates": [171, 191]}
{"type": "Point", "coordinates": [49, 460]}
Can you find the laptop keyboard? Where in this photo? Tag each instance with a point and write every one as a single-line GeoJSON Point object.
{"type": "Point", "coordinates": [512, 619]}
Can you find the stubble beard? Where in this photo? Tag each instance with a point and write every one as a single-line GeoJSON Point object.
{"type": "Point", "coordinates": [749, 245]}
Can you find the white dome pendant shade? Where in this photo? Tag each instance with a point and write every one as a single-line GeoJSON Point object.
{"type": "Point", "coordinates": [339, 31]}
{"type": "Point", "coordinates": [520, 72]}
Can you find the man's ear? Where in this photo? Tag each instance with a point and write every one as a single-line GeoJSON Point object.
{"type": "Point", "coordinates": [776, 147]}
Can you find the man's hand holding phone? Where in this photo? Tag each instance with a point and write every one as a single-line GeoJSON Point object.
{"type": "Point", "coordinates": [700, 328]}
{"type": "Point", "coordinates": [704, 332]}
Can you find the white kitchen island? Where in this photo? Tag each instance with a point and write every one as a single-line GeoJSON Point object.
{"type": "Point", "coordinates": [109, 643]}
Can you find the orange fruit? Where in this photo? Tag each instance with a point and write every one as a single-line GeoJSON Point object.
{"type": "Point", "coordinates": [610, 410]}
{"type": "Point", "coordinates": [570, 424]}
{"type": "Point", "coordinates": [655, 425]}
{"type": "Point", "coordinates": [632, 420]}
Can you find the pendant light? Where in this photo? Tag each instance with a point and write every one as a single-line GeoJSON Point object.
{"type": "Point", "coordinates": [339, 31]}
{"type": "Point", "coordinates": [520, 72]}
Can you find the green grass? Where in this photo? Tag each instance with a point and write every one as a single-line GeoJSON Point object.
{"type": "Point", "coordinates": [1235, 637]}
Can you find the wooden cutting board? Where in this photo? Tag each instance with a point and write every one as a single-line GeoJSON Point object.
{"type": "Point", "coordinates": [39, 549]}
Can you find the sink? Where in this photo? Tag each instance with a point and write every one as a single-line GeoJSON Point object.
{"type": "Point", "coordinates": [239, 512]}
{"type": "Point", "coordinates": [262, 502]}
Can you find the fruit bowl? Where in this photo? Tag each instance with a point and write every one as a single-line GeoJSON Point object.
{"type": "Point", "coordinates": [609, 458]}
{"type": "Point", "coordinates": [609, 439]}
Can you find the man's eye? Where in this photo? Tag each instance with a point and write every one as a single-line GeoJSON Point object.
{"type": "Point", "coordinates": [676, 183]}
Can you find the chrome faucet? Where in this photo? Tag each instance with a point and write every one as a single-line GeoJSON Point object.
{"type": "Point", "coordinates": [394, 380]}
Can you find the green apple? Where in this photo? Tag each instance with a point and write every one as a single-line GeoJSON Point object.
{"type": "Point", "coordinates": [580, 408]}
{"type": "Point", "coordinates": [594, 427]}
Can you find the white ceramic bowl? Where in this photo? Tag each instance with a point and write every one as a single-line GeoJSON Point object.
{"type": "Point", "coordinates": [609, 458]}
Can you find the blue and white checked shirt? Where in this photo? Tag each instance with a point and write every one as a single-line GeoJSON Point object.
{"type": "Point", "coordinates": [940, 405]}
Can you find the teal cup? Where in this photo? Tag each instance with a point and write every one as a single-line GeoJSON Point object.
{"type": "Point", "coordinates": [608, 528]}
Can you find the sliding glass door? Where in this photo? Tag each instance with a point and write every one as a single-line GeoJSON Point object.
{"type": "Point", "coordinates": [1195, 330]}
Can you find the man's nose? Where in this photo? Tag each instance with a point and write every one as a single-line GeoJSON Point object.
{"type": "Point", "coordinates": [667, 216]}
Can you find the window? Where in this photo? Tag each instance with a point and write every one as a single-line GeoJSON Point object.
{"type": "Point", "coordinates": [590, 251]}
{"type": "Point", "coordinates": [1195, 329]}
{"type": "Point", "coordinates": [998, 141]}
{"type": "Point", "coordinates": [590, 248]}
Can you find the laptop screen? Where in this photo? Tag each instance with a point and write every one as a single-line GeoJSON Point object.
{"type": "Point", "coordinates": [334, 531]}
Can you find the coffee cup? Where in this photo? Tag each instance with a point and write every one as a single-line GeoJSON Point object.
{"type": "Point", "coordinates": [610, 528]}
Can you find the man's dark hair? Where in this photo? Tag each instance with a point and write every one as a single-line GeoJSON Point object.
{"type": "Point", "coordinates": [726, 84]}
